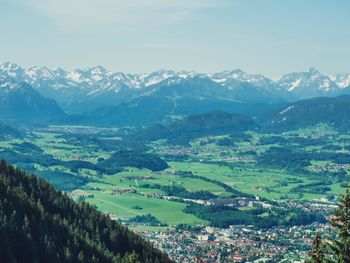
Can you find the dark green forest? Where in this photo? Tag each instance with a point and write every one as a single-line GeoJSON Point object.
{"type": "Point", "coordinates": [211, 123]}
{"type": "Point", "coordinates": [223, 216]}
{"type": "Point", "coordinates": [41, 224]}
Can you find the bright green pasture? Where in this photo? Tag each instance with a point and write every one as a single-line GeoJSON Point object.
{"type": "Point", "coordinates": [263, 182]}
{"type": "Point", "coordinates": [122, 206]}
{"type": "Point", "coordinates": [190, 184]}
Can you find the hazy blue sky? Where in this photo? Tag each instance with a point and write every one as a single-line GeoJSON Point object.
{"type": "Point", "coordinates": [259, 36]}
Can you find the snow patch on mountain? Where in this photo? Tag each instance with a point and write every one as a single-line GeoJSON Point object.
{"type": "Point", "coordinates": [308, 84]}
{"type": "Point", "coordinates": [74, 76]}
{"type": "Point", "coordinates": [342, 80]}
{"type": "Point", "coordinates": [80, 83]}
{"type": "Point", "coordinates": [294, 85]}
{"type": "Point", "coordinates": [286, 110]}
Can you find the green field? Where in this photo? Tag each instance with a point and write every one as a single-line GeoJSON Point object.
{"type": "Point", "coordinates": [236, 166]}
{"type": "Point", "coordinates": [121, 206]}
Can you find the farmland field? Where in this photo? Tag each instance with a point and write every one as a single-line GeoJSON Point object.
{"type": "Point", "coordinates": [206, 165]}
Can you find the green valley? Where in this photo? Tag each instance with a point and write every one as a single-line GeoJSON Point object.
{"type": "Point", "coordinates": [220, 166]}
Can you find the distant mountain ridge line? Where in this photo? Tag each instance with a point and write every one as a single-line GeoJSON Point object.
{"type": "Point", "coordinates": [135, 80]}
{"type": "Point", "coordinates": [60, 69]}
{"type": "Point", "coordinates": [96, 95]}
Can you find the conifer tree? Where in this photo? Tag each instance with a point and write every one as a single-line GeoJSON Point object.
{"type": "Point", "coordinates": [131, 258]}
{"type": "Point", "coordinates": [335, 250]}
{"type": "Point", "coordinates": [340, 220]}
{"type": "Point", "coordinates": [317, 253]}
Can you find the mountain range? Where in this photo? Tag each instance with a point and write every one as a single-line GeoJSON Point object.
{"type": "Point", "coordinates": [97, 95]}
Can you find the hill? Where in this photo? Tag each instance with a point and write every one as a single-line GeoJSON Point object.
{"type": "Point", "coordinates": [8, 131]}
{"type": "Point", "coordinates": [41, 224]}
{"type": "Point", "coordinates": [132, 158]}
{"type": "Point", "coordinates": [210, 123]}
{"type": "Point", "coordinates": [19, 101]}
{"type": "Point", "coordinates": [332, 111]}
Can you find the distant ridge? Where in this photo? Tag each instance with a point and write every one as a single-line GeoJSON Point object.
{"type": "Point", "coordinates": [210, 123]}
{"type": "Point", "coordinates": [71, 87]}
{"type": "Point", "coordinates": [332, 111]}
{"type": "Point", "coordinates": [21, 102]}
{"type": "Point", "coordinates": [96, 96]}
{"type": "Point", "coordinates": [7, 131]}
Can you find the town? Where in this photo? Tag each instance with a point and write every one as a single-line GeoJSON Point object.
{"type": "Point", "coordinates": [236, 244]}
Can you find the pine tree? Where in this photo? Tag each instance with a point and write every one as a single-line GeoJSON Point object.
{"type": "Point", "coordinates": [336, 250]}
{"type": "Point", "coordinates": [340, 220]}
{"type": "Point", "coordinates": [131, 258]}
{"type": "Point", "coordinates": [317, 253]}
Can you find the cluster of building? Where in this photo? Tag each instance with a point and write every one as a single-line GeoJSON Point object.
{"type": "Point", "coordinates": [332, 167]}
{"type": "Point", "coordinates": [152, 195]}
{"type": "Point", "coordinates": [166, 172]}
{"type": "Point", "coordinates": [118, 192]}
{"type": "Point", "coordinates": [237, 202]}
{"type": "Point", "coordinates": [76, 129]}
{"type": "Point", "coordinates": [178, 150]}
{"type": "Point", "coordinates": [237, 159]}
{"type": "Point", "coordinates": [240, 202]}
{"type": "Point", "coordinates": [237, 244]}
{"type": "Point", "coordinates": [322, 205]}
{"type": "Point", "coordinates": [137, 177]}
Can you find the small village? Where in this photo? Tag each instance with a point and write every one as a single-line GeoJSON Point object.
{"type": "Point", "coordinates": [332, 167]}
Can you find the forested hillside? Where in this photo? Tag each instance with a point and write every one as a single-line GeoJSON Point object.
{"type": "Point", "coordinates": [194, 126]}
{"type": "Point", "coordinates": [41, 224]}
{"type": "Point", "coordinates": [307, 113]}
{"type": "Point", "coordinates": [7, 131]}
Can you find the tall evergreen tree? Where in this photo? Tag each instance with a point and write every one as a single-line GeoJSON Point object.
{"type": "Point", "coordinates": [340, 220]}
{"type": "Point", "coordinates": [317, 252]}
{"type": "Point", "coordinates": [335, 250]}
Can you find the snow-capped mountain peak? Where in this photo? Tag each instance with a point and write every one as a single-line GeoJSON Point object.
{"type": "Point", "coordinates": [35, 73]}
{"type": "Point", "coordinates": [98, 73]}
{"type": "Point", "coordinates": [79, 84]}
{"type": "Point", "coordinates": [148, 79]}
{"type": "Point", "coordinates": [75, 76]}
{"type": "Point", "coordinates": [11, 70]}
{"type": "Point", "coordinates": [342, 80]}
{"type": "Point", "coordinates": [307, 84]}
{"type": "Point", "coordinates": [59, 72]}
{"type": "Point", "coordinates": [312, 71]}
{"type": "Point", "coordinates": [239, 75]}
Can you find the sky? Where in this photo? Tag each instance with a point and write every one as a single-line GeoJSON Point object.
{"type": "Point", "coordinates": [271, 37]}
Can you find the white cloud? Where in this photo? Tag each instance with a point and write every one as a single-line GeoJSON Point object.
{"type": "Point", "coordinates": [116, 15]}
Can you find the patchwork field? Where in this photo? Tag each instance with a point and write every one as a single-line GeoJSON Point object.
{"type": "Point", "coordinates": [212, 165]}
